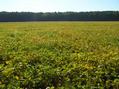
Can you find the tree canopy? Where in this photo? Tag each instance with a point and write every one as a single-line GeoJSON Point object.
{"type": "Point", "coordinates": [59, 16]}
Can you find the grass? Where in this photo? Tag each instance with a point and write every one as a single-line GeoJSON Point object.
{"type": "Point", "coordinates": [59, 55]}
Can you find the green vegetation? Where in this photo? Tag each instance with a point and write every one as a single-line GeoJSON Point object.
{"type": "Point", "coordinates": [59, 16]}
{"type": "Point", "coordinates": [59, 55]}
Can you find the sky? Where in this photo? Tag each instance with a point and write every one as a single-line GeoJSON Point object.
{"type": "Point", "coordinates": [58, 5]}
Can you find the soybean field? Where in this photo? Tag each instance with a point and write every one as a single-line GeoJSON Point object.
{"type": "Point", "coordinates": [59, 55]}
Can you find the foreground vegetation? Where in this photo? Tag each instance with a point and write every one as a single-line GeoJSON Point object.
{"type": "Point", "coordinates": [59, 55]}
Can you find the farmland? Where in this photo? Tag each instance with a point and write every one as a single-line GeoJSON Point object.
{"type": "Point", "coordinates": [59, 55]}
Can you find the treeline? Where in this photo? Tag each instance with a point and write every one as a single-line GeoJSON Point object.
{"type": "Point", "coordinates": [60, 16]}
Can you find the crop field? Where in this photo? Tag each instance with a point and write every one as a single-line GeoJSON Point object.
{"type": "Point", "coordinates": [59, 55]}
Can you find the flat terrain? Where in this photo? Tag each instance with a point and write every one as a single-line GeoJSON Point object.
{"type": "Point", "coordinates": [59, 55]}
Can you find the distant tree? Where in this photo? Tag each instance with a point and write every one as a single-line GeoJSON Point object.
{"type": "Point", "coordinates": [60, 16]}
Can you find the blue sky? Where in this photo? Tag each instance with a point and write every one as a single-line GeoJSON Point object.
{"type": "Point", "coordinates": [58, 5]}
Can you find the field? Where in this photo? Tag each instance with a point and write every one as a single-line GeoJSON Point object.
{"type": "Point", "coordinates": [59, 55]}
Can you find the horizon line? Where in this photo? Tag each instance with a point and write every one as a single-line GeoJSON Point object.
{"type": "Point", "coordinates": [63, 11]}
